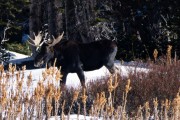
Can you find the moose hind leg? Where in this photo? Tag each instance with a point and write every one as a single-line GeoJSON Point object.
{"type": "Point", "coordinates": [111, 68]}
{"type": "Point", "coordinates": [110, 61]}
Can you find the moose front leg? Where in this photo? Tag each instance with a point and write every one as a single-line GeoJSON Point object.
{"type": "Point", "coordinates": [81, 76]}
{"type": "Point", "coordinates": [63, 81]}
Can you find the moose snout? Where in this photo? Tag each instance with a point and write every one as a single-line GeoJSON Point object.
{"type": "Point", "coordinates": [38, 64]}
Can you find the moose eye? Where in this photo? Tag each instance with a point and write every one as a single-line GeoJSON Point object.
{"type": "Point", "coordinates": [38, 49]}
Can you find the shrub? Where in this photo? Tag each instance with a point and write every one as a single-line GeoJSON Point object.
{"type": "Point", "coordinates": [18, 47]}
{"type": "Point", "coordinates": [139, 96]}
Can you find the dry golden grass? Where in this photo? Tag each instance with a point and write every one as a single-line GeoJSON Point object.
{"type": "Point", "coordinates": [23, 104]}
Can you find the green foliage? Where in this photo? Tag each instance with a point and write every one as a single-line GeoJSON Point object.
{"type": "Point", "coordinates": [17, 11]}
{"type": "Point", "coordinates": [150, 19]}
{"type": "Point", "coordinates": [11, 9]}
{"type": "Point", "coordinates": [61, 10]}
{"type": "Point", "coordinates": [97, 20]}
{"type": "Point", "coordinates": [18, 47]}
{"type": "Point", "coordinates": [100, 19]}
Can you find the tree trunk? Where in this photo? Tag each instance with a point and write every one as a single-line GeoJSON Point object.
{"type": "Point", "coordinates": [51, 18]}
{"type": "Point", "coordinates": [58, 16]}
{"type": "Point", "coordinates": [36, 20]}
{"type": "Point", "coordinates": [84, 14]}
{"type": "Point", "coordinates": [32, 23]}
{"type": "Point", "coordinates": [66, 19]}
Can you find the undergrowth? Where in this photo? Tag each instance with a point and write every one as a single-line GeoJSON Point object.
{"type": "Point", "coordinates": [140, 95]}
{"type": "Point", "coordinates": [18, 47]}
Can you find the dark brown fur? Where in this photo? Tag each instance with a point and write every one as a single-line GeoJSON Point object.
{"type": "Point", "coordinates": [76, 57]}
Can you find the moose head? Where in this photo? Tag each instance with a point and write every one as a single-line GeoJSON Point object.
{"type": "Point", "coordinates": [44, 48]}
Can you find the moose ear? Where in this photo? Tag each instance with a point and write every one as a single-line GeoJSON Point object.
{"type": "Point", "coordinates": [57, 40]}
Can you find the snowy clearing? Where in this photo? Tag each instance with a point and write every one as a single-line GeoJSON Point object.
{"type": "Point", "coordinates": [72, 78]}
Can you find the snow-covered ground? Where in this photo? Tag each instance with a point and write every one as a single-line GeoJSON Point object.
{"type": "Point", "coordinates": [72, 78]}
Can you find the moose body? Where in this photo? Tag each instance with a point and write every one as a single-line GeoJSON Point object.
{"type": "Point", "coordinates": [74, 57]}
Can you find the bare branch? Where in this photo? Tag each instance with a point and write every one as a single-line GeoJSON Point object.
{"type": "Point", "coordinates": [164, 19]}
{"type": "Point", "coordinates": [4, 36]}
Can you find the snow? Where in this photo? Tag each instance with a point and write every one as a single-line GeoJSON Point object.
{"type": "Point", "coordinates": [16, 56]}
{"type": "Point", "coordinates": [72, 78]}
{"type": "Point", "coordinates": [81, 117]}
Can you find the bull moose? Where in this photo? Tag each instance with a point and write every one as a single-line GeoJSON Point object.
{"type": "Point", "coordinates": [75, 57]}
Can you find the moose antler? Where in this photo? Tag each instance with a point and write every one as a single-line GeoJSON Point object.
{"type": "Point", "coordinates": [37, 39]}
{"type": "Point", "coordinates": [56, 40]}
